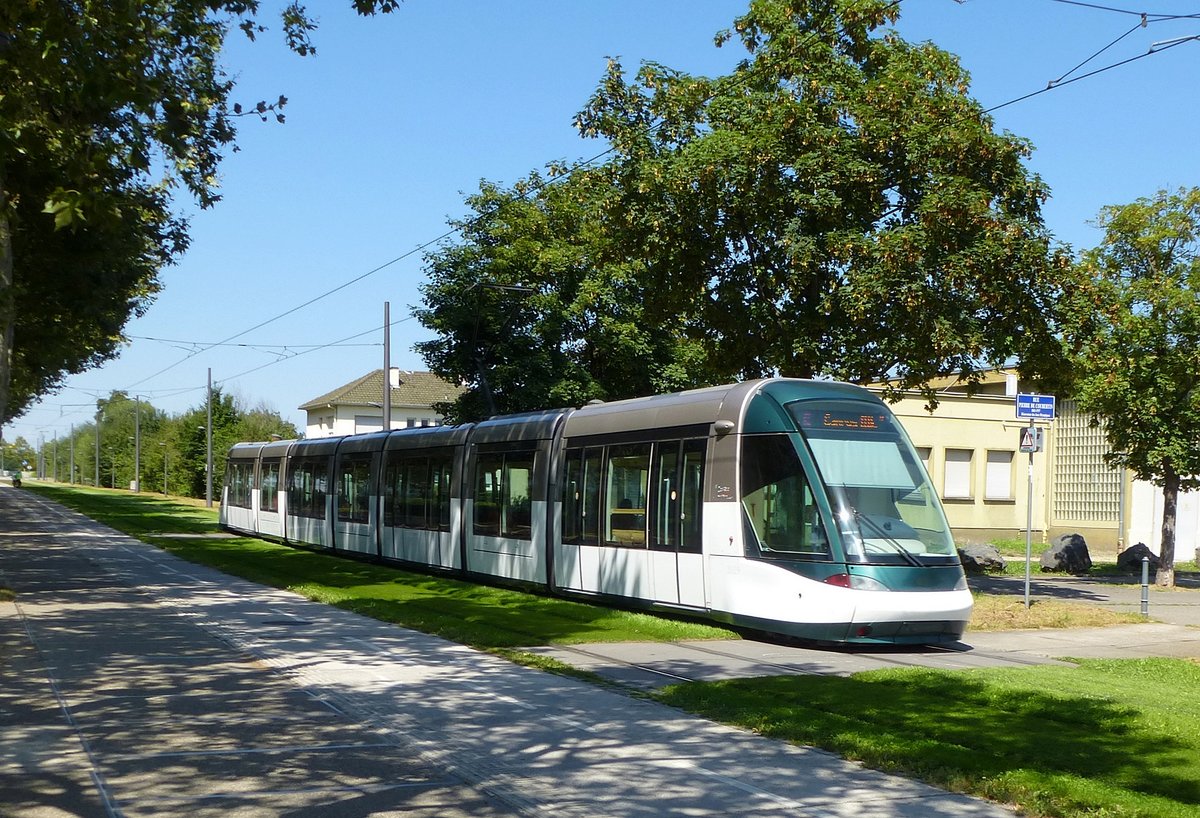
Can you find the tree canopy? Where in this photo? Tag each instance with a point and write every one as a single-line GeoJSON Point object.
{"type": "Point", "coordinates": [836, 206]}
{"type": "Point", "coordinates": [1133, 329]}
{"type": "Point", "coordinates": [106, 110]}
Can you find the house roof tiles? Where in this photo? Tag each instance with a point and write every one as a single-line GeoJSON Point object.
{"type": "Point", "coordinates": [420, 389]}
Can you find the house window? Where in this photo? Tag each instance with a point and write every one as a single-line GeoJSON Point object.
{"type": "Point", "coordinates": [998, 481]}
{"type": "Point", "coordinates": [957, 481]}
{"type": "Point", "coordinates": [367, 423]}
{"type": "Point", "coordinates": [924, 452]}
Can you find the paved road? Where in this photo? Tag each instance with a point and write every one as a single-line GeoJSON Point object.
{"type": "Point", "coordinates": [133, 684]}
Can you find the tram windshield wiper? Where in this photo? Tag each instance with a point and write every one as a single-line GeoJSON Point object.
{"type": "Point", "coordinates": [909, 556]}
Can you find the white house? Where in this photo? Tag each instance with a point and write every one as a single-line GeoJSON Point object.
{"type": "Point", "coordinates": [358, 406]}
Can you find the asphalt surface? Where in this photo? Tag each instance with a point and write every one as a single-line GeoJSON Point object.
{"type": "Point", "coordinates": [135, 684]}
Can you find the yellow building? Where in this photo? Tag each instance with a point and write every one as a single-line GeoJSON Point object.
{"type": "Point", "coordinates": [971, 448]}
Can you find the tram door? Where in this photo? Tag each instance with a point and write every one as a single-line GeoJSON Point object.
{"type": "Point", "coordinates": [677, 564]}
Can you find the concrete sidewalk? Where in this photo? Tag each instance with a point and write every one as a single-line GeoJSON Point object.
{"type": "Point", "coordinates": [133, 684]}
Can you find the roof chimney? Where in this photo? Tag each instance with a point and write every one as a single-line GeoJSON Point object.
{"type": "Point", "coordinates": [394, 377]}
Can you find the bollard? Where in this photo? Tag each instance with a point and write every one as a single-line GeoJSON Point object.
{"type": "Point", "coordinates": [1145, 586]}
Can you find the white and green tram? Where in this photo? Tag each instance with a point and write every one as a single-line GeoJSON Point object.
{"type": "Point", "coordinates": [788, 506]}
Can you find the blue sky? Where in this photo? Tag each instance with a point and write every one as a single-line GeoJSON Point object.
{"type": "Point", "coordinates": [397, 117]}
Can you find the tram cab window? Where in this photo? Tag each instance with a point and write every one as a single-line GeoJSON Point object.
{"type": "Point", "coordinates": [884, 503]}
{"type": "Point", "coordinates": [778, 501]}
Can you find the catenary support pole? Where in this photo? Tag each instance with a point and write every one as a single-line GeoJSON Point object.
{"type": "Point", "coordinates": [208, 464]}
{"type": "Point", "coordinates": [387, 366]}
{"type": "Point", "coordinates": [137, 443]}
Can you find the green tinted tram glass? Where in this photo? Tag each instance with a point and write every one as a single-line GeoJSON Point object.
{"type": "Point", "coordinates": [778, 501]}
{"type": "Point", "coordinates": [885, 506]}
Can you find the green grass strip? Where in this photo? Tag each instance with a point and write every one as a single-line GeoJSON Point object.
{"type": "Point", "coordinates": [482, 616]}
{"type": "Point", "coordinates": [1106, 738]}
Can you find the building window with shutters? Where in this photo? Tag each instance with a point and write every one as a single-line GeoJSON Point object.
{"type": "Point", "coordinates": [998, 479]}
{"type": "Point", "coordinates": [957, 481]}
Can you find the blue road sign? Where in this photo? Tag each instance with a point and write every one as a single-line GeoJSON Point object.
{"type": "Point", "coordinates": [1035, 406]}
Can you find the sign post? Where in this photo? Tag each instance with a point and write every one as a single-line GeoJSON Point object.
{"type": "Point", "coordinates": [1032, 407]}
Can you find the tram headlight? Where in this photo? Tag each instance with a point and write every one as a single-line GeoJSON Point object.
{"type": "Point", "coordinates": [856, 582]}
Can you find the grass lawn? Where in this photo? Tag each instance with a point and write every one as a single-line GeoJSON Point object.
{"type": "Point", "coordinates": [482, 616]}
{"type": "Point", "coordinates": [1106, 738]}
{"type": "Point", "coordinates": [1111, 739]}
{"type": "Point", "coordinates": [1005, 612]}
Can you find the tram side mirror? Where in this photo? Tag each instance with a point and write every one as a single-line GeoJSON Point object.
{"type": "Point", "coordinates": [723, 427]}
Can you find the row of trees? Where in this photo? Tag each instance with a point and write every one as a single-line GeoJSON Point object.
{"type": "Point", "coordinates": [173, 449]}
{"type": "Point", "coordinates": [838, 206]}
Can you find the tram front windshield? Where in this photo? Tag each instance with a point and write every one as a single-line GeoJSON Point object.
{"type": "Point", "coordinates": [885, 507]}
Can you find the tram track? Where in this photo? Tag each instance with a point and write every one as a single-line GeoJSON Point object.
{"type": "Point", "coordinates": [683, 662]}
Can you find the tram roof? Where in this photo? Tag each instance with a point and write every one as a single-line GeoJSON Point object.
{"type": "Point", "coordinates": [705, 406]}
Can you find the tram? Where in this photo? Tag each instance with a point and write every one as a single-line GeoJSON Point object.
{"type": "Point", "coordinates": [788, 506]}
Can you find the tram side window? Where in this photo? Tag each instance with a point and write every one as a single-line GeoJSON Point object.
{"type": "Point", "coordinates": [306, 488]}
{"type": "Point", "coordinates": [626, 485]}
{"type": "Point", "coordinates": [778, 501]}
{"type": "Point", "coordinates": [677, 496]}
{"type": "Point", "coordinates": [581, 495]}
{"type": "Point", "coordinates": [300, 489]}
{"type": "Point", "coordinates": [354, 489]}
{"type": "Point", "coordinates": [691, 495]}
{"type": "Point", "coordinates": [269, 490]}
{"type": "Point", "coordinates": [572, 500]}
{"type": "Point", "coordinates": [415, 493]}
{"type": "Point", "coordinates": [320, 473]}
{"type": "Point", "coordinates": [239, 478]}
{"type": "Point", "coordinates": [416, 490]}
{"type": "Point", "coordinates": [440, 470]}
{"type": "Point", "coordinates": [503, 503]}
{"type": "Point", "coordinates": [391, 491]}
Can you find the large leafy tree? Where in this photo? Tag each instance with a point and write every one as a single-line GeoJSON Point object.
{"type": "Point", "coordinates": [1134, 331]}
{"type": "Point", "coordinates": [532, 309]}
{"type": "Point", "coordinates": [836, 206]}
{"type": "Point", "coordinates": [107, 107]}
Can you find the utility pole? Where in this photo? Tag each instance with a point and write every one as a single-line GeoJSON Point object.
{"type": "Point", "coordinates": [387, 366]}
{"type": "Point", "coordinates": [99, 414]}
{"type": "Point", "coordinates": [208, 466]}
{"type": "Point", "coordinates": [72, 479]}
{"type": "Point", "coordinates": [137, 443]}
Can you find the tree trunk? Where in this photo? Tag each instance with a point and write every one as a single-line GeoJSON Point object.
{"type": "Point", "coordinates": [1166, 557]}
{"type": "Point", "coordinates": [7, 310]}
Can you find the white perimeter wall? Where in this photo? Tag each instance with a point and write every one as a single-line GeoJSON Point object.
{"type": "Point", "coordinates": [1145, 520]}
